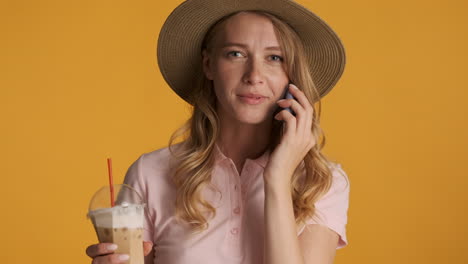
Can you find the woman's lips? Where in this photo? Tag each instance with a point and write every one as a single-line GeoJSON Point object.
{"type": "Point", "coordinates": [252, 99]}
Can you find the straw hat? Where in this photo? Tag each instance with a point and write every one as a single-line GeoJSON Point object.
{"type": "Point", "coordinates": [180, 40]}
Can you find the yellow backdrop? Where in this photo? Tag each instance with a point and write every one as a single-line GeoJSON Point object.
{"type": "Point", "coordinates": [79, 82]}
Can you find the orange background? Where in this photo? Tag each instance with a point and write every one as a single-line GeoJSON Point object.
{"type": "Point", "coordinates": [79, 82]}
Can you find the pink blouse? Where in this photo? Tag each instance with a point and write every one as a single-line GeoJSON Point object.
{"type": "Point", "coordinates": [235, 234]}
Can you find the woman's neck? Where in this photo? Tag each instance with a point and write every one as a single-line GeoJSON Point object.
{"type": "Point", "coordinates": [240, 141]}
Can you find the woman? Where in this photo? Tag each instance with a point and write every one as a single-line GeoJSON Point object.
{"type": "Point", "coordinates": [248, 183]}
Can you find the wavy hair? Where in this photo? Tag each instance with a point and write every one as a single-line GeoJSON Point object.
{"type": "Point", "coordinates": [195, 155]}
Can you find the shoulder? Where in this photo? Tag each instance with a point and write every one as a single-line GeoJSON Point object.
{"type": "Point", "coordinates": [340, 179]}
{"type": "Point", "coordinates": [332, 207]}
{"type": "Point", "coordinates": [151, 166]}
{"type": "Point", "coordinates": [160, 159]}
{"type": "Point", "coordinates": [336, 199]}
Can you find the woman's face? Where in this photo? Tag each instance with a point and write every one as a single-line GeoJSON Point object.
{"type": "Point", "coordinates": [246, 67]}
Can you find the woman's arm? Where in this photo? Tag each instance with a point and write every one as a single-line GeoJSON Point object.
{"type": "Point", "coordinates": [282, 245]}
{"type": "Point", "coordinates": [316, 245]}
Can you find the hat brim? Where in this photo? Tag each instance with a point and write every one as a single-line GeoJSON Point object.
{"type": "Point", "coordinates": [180, 40]}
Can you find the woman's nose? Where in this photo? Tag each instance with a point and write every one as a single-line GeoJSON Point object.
{"type": "Point", "coordinates": [253, 72]}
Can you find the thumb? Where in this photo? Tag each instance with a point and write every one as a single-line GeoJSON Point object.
{"type": "Point", "coordinates": [147, 247]}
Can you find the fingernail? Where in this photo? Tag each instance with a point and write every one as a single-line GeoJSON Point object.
{"type": "Point", "coordinates": [294, 86]}
{"type": "Point", "coordinates": [112, 247]}
{"type": "Point", "coordinates": [279, 101]}
{"type": "Point", "coordinates": [124, 257]}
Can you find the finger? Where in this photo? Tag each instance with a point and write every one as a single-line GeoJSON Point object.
{"type": "Point", "coordinates": [293, 103]}
{"type": "Point", "coordinates": [301, 98]}
{"type": "Point", "coordinates": [147, 247]}
{"type": "Point", "coordinates": [100, 249]}
{"type": "Point", "coordinates": [289, 125]}
{"type": "Point", "coordinates": [305, 103]}
{"type": "Point", "coordinates": [111, 259]}
{"type": "Point", "coordinates": [301, 114]}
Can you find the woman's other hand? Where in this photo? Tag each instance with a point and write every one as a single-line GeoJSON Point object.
{"type": "Point", "coordinates": [103, 253]}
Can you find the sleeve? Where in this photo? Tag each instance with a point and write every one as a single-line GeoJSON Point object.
{"type": "Point", "coordinates": [135, 178]}
{"type": "Point", "coordinates": [332, 208]}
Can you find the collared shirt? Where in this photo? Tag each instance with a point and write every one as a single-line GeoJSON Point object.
{"type": "Point", "coordinates": [235, 234]}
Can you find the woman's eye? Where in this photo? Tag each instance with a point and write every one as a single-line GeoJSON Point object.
{"type": "Point", "coordinates": [235, 54]}
{"type": "Point", "coordinates": [276, 58]}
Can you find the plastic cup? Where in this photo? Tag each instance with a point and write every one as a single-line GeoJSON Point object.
{"type": "Point", "coordinates": [121, 224]}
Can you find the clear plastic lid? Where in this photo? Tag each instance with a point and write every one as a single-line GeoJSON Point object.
{"type": "Point", "coordinates": [123, 195]}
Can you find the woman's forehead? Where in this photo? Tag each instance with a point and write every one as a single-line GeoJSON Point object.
{"type": "Point", "coordinates": [248, 28]}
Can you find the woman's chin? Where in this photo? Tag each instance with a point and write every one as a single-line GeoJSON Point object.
{"type": "Point", "coordinates": [254, 119]}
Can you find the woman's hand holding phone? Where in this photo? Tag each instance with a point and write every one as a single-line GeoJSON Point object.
{"type": "Point", "coordinates": [296, 141]}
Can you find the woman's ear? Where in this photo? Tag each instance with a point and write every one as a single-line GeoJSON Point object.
{"type": "Point", "coordinates": [206, 65]}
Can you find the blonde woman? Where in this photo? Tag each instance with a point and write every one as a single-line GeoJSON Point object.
{"type": "Point", "coordinates": [248, 182]}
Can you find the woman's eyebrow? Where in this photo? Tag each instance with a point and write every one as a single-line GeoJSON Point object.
{"type": "Point", "coordinates": [273, 48]}
{"type": "Point", "coordinates": [233, 44]}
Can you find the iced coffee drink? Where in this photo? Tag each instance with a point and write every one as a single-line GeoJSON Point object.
{"type": "Point", "coordinates": [121, 224]}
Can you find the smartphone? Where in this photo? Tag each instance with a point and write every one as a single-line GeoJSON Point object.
{"type": "Point", "coordinates": [286, 95]}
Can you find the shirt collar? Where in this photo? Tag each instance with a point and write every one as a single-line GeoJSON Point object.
{"type": "Point", "coordinates": [262, 160]}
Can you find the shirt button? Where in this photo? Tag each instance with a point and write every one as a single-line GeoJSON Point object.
{"type": "Point", "coordinates": [234, 231]}
{"type": "Point", "coordinates": [237, 210]}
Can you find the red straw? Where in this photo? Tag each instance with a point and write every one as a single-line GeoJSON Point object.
{"type": "Point", "coordinates": [111, 180]}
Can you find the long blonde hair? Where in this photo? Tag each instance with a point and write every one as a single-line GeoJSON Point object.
{"type": "Point", "coordinates": [195, 155]}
